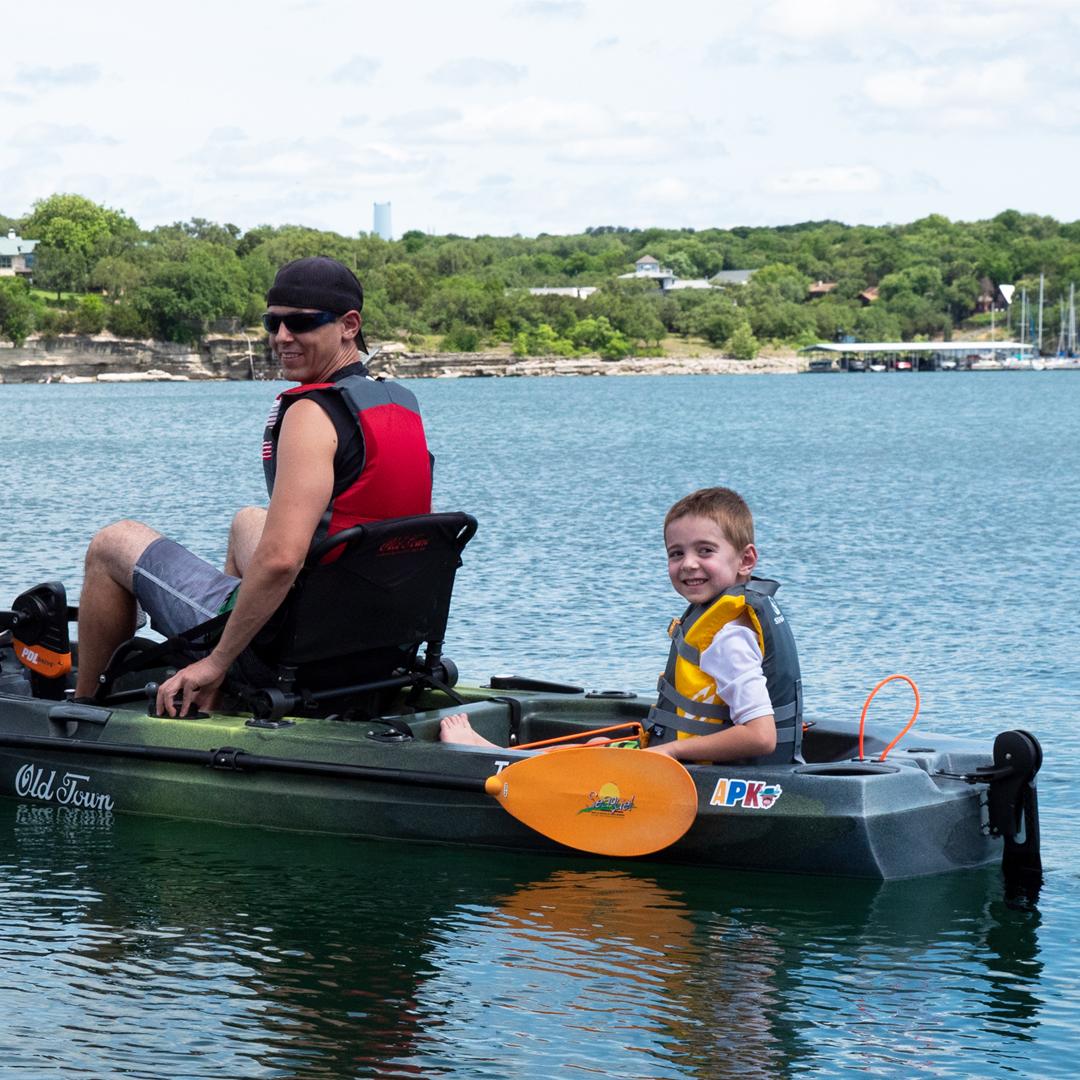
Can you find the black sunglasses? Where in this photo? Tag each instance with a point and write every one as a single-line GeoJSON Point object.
{"type": "Point", "coordinates": [299, 322]}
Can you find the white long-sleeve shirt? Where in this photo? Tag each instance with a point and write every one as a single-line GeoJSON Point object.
{"type": "Point", "coordinates": [734, 660]}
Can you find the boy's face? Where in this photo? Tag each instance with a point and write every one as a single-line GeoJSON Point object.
{"type": "Point", "coordinates": [701, 560]}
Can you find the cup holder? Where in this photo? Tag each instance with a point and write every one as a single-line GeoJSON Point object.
{"type": "Point", "coordinates": [847, 768]}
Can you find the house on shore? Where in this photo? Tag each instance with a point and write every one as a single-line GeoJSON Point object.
{"type": "Point", "coordinates": [578, 292]}
{"type": "Point", "coordinates": [16, 256]}
{"type": "Point", "coordinates": [731, 277]}
{"type": "Point", "coordinates": [648, 267]}
{"type": "Point", "coordinates": [993, 297]}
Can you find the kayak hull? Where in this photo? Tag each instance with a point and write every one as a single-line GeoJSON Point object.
{"type": "Point", "coordinates": [833, 815]}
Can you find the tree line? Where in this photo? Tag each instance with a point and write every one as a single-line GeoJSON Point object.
{"type": "Point", "coordinates": [96, 269]}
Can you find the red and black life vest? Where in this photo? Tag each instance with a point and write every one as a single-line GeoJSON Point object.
{"type": "Point", "coordinates": [395, 477]}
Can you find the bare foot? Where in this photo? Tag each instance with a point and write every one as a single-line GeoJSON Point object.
{"type": "Point", "coordinates": [457, 729]}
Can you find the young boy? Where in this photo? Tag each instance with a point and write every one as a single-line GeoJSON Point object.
{"type": "Point", "coordinates": [731, 691]}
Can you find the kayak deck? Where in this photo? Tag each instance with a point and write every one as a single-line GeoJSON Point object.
{"type": "Point", "coordinates": [906, 817]}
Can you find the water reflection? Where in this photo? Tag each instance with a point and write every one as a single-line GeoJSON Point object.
{"type": "Point", "coordinates": [203, 951]}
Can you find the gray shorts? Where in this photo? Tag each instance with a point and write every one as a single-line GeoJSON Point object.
{"type": "Point", "coordinates": [179, 590]}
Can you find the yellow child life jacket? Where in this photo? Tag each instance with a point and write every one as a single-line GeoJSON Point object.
{"type": "Point", "coordinates": [689, 703]}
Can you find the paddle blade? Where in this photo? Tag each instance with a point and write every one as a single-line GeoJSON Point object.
{"type": "Point", "coordinates": [607, 801]}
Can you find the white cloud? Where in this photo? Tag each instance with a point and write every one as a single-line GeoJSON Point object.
{"type": "Point", "coordinates": [531, 119]}
{"type": "Point", "coordinates": [58, 136]}
{"type": "Point", "coordinates": [81, 74]}
{"type": "Point", "coordinates": [1001, 82]}
{"type": "Point", "coordinates": [640, 150]}
{"type": "Point", "coordinates": [669, 190]}
{"type": "Point", "coordinates": [359, 70]}
{"type": "Point", "coordinates": [552, 9]}
{"type": "Point", "coordinates": [472, 71]}
{"type": "Point", "coordinates": [831, 179]}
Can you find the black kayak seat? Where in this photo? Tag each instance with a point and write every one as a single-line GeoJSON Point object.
{"type": "Point", "coordinates": [366, 600]}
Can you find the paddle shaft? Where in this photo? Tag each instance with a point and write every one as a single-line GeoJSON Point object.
{"type": "Point", "coordinates": [229, 759]}
{"type": "Point", "coordinates": [609, 802]}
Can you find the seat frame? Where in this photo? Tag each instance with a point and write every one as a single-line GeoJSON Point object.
{"type": "Point", "coordinates": [302, 662]}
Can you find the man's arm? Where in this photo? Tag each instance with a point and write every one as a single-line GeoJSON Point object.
{"type": "Point", "coordinates": [303, 485]}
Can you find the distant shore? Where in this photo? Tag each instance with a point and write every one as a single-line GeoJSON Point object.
{"type": "Point", "coordinates": [403, 365]}
{"type": "Point", "coordinates": [103, 358]}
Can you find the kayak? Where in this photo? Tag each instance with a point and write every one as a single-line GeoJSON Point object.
{"type": "Point", "coordinates": [862, 804]}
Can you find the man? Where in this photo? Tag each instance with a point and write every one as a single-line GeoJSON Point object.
{"type": "Point", "coordinates": [339, 449]}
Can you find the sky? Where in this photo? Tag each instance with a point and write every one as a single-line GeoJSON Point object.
{"type": "Point", "coordinates": [523, 117]}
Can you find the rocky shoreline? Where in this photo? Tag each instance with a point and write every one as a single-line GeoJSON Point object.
{"type": "Point", "coordinates": [103, 358]}
{"type": "Point", "coordinates": [404, 365]}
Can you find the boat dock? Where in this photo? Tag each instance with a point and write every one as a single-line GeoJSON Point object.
{"type": "Point", "coordinates": [929, 356]}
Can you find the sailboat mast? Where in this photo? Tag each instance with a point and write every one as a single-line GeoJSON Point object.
{"type": "Point", "coordinates": [1072, 318]}
{"type": "Point", "coordinates": [1038, 340]}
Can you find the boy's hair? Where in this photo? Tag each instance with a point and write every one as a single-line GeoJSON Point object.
{"type": "Point", "coordinates": [724, 506]}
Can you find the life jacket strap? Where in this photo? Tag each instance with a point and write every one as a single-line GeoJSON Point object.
{"type": "Point", "coordinates": [686, 651]}
{"type": "Point", "coordinates": [670, 696]}
{"type": "Point", "coordinates": [785, 730]}
{"type": "Point", "coordinates": [669, 719]}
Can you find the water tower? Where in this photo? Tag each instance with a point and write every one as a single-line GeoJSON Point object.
{"type": "Point", "coordinates": [382, 221]}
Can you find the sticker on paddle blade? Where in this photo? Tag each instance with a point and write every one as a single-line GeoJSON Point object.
{"type": "Point", "coordinates": [632, 803]}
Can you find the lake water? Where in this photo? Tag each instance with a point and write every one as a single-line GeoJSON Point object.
{"type": "Point", "coordinates": [923, 524]}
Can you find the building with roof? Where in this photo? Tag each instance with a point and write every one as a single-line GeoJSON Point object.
{"type": "Point", "coordinates": [690, 283]}
{"type": "Point", "coordinates": [648, 268]}
{"type": "Point", "coordinates": [993, 297]}
{"type": "Point", "coordinates": [731, 277]}
{"type": "Point", "coordinates": [578, 292]}
{"type": "Point", "coordinates": [919, 355]}
{"type": "Point", "coordinates": [16, 255]}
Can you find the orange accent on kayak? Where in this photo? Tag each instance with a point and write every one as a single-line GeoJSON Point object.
{"type": "Point", "coordinates": [866, 708]}
{"type": "Point", "coordinates": [43, 661]}
{"type": "Point", "coordinates": [632, 732]}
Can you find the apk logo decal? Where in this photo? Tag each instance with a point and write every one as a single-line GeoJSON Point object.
{"type": "Point", "coordinates": [749, 794]}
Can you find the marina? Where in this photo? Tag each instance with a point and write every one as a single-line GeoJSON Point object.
{"type": "Point", "coordinates": [879, 356]}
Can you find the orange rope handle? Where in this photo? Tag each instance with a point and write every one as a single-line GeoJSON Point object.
{"type": "Point", "coordinates": [907, 727]}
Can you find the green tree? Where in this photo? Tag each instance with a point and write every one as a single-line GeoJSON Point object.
{"type": "Point", "coordinates": [461, 338]}
{"type": "Point", "coordinates": [193, 283]}
{"type": "Point", "coordinates": [72, 234]}
{"type": "Point", "coordinates": [116, 275]}
{"type": "Point", "coordinates": [126, 321]}
{"type": "Point", "coordinates": [742, 344]}
{"type": "Point", "coordinates": [405, 285]}
{"type": "Point", "coordinates": [90, 315]}
{"type": "Point", "coordinates": [542, 341]}
{"type": "Point", "coordinates": [18, 313]}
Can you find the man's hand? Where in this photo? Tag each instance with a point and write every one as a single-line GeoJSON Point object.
{"type": "Point", "coordinates": [197, 684]}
